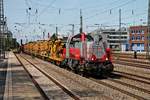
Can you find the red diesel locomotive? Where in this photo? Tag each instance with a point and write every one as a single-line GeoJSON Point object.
{"type": "Point", "coordinates": [85, 55]}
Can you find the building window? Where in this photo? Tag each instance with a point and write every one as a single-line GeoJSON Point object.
{"type": "Point", "coordinates": [132, 31]}
{"type": "Point", "coordinates": [138, 45]}
{"type": "Point", "coordinates": [142, 37]}
{"type": "Point", "coordinates": [139, 32]}
{"type": "Point", "coordinates": [142, 45]}
{"type": "Point", "coordinates": [132, 44]}
{"type": "Point", "coordinates": [133, 38]}
{"type": "Point", "coordinates": [138, 38]}
{"type": "Point", "coordinates": [142, 31]}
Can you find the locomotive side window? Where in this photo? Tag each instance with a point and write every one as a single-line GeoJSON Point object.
{"type": "Point", "coordinates": [78, 44]}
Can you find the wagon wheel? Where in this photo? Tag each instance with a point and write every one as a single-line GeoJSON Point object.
{"type": "Point", "coordinates": [70, 64]}
{"type": "Point", "coordinates": [58, 63]}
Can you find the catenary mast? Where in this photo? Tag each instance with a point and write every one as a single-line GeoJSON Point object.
{"type": "Point", "coordinates": [2, 26]}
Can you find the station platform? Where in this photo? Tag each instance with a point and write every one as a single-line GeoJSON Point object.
{"type": "Point", "coordinates": [18, 84]}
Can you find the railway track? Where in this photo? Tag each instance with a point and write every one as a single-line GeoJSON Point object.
{"type": "Point", "coordinates": [129, 85]}
{"type": "Point", "coordinates": [132, 77]}
{"type": "Point", "coordinates": [129, 55]}
{"type": "Point", "coordinates": [116, 78]}
{"type": "Point", "coordinates": [133, 68]}
{"type": "Point", "coordinates": [115, 81]}
{"type": "Point", "coordinates": [66, 90]}
{"type": "Point", "coordinates": [132, 60]}
{"type": "Point", "coordinates": [109, 84]}
{"type": "Point", "coordinates": [76, 96]}
{"type": "Point", "coordinates": [133, 64]}
{"type": "Point", "coordinates": [45, 97]}
{"type": "Point", "coordinates": [77, 81]}
{"type": "Point", "coordinates": [128, 76]}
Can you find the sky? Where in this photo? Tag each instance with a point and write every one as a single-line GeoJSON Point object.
{"type": "Point", "coordinates": [28, 19]}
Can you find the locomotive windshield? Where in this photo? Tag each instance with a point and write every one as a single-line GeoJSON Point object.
{"type": "Point", "coordinates": [99, 46]}
{"type": "Point", "coordinates": [77, 38]}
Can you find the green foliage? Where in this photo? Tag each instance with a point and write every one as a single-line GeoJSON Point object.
{"type": "Point", "coordinates": [11, 43]}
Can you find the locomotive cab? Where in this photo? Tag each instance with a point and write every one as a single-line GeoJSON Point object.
{"type": "Point", "coordinates": [100, 56]}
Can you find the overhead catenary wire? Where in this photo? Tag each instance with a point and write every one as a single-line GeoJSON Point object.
{"type": "Point", "coordinates": [107, 24]}
{"type": "Point", "coordinates": [109, 9]}
{"type": "Point", "coordinates": [99, 13]}
{"type": "Point", "coordinates": [76, 8]}
{"type": "Point", "coordinates": [100, 5]}
{"type": "Point", "coordinates": [27, 3]}
{"type": "Point", "coordinates": [125, 18]}
{"type": "Point", "coordinates": [47, 7]}
{"type": "Point", "coordinates": [103, 6]}
{"type": "Point", "coordinates": [86, 8]}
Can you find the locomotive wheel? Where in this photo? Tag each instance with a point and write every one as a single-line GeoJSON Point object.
{"type": "Point", "coordinates": [82, 70]}
{"type": "Point", "coordinates": [75, 66]}
{"type": "Point", "coordinates": [70, 63]}
{"type": "Point", "coordinates": [53, 62]}
{"type": "Point", "coordinates": [110, 67]}
{"type": "Point", "coordinates": [63, 64]}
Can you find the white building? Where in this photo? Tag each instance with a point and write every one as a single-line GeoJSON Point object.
{"type": "Point", "coordinates": [115, 38]}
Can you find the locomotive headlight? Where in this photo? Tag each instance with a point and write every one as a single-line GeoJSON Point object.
{"type": "Point", "coordinates": [106, 58]}
{"type": "Point", "coordinates": [93, 58]}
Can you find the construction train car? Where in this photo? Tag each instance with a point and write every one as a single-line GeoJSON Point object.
{"type": "Point", "coordinates": [80, 53]}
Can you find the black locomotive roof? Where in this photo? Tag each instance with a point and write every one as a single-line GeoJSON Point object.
{"type": "Point", "coordinates": [88, 37]}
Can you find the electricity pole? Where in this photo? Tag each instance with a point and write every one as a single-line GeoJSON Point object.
{"type": "Point", "coordinates": [120, 27]}
{"type": "Point", "coordinates": [148, 34]}
{"type": "Point", "coordinates": [72, 29]}
{"type": "Point", "coordinates": [119, 33]}
{"type": "Point", "coordinates": [56, 31]}
{"type": "Point", "coordinates": [2, 26]}
{"type": "Point", "coordinates": [43, 35]}
{"type": "Point", "coordinates": [29, 16]}
{"type": "Point", "coordinates": [81, 22]}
